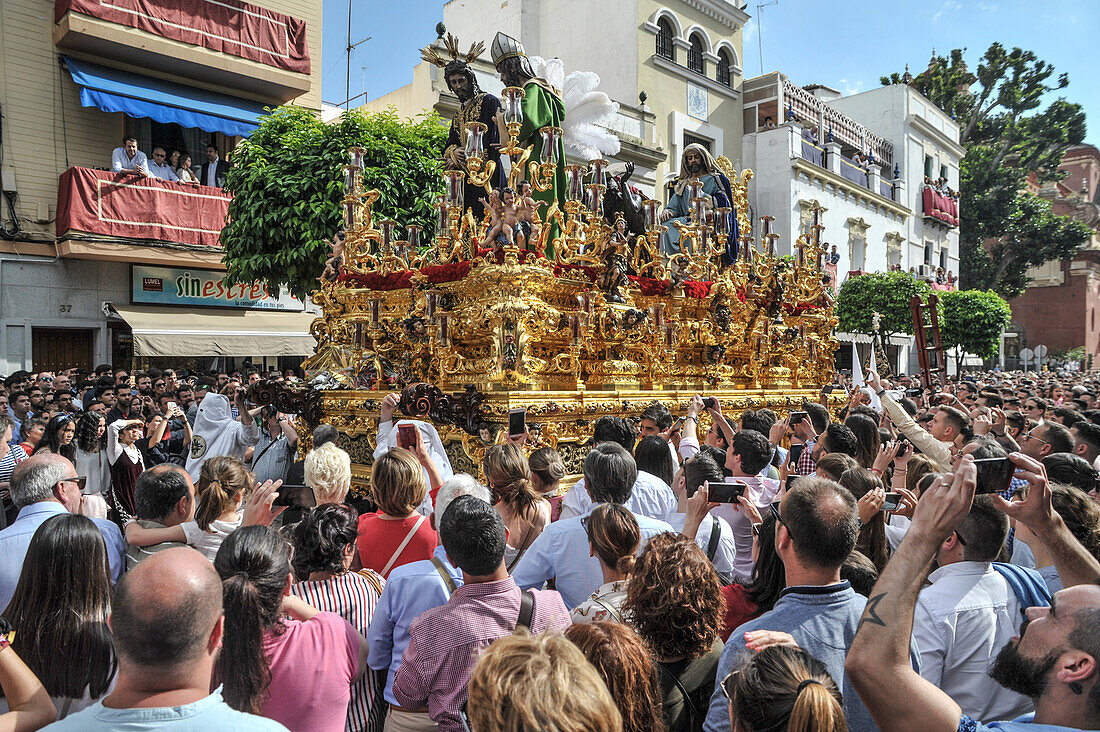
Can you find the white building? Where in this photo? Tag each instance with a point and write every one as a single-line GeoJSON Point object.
{"type": "Point", "coordinates": [872, 212]}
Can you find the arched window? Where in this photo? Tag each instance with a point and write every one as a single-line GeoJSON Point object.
{"type": "Point", "coordinates": [695, 54]}
{"type": "Point", "coordinates": [722, 74]}
{"type": "Point", "coordinates": [664, 40]}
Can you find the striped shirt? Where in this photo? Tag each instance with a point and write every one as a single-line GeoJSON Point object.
{"type": "Point", "coordinates": [352, 597]}
{"type": "Point", "coordinates": [15, 456]}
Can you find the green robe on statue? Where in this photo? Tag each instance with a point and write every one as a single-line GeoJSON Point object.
{"type": "Point", "coordinates": [544, 108]}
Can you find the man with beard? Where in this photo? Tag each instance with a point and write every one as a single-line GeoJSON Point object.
{"type": "Point", "coordinates": [475, 106]}
{"type": "Point", "coordinates": [697, 165]}
{"type": "Point", "coordinates": [542, 107]}
{"type": "Point", "coordinates": [1054, 661]}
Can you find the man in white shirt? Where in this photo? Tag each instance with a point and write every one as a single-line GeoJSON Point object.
{"type": "Point", "coordinates": [747, 457]}
{"type": "Point", "coordinates": [159, 167]}
{"type": "Point", "coordinates": [650, 496]}
{"type": "Point", "coordinates": [714, 535]}
{"type": "Point", "coordinates": [967, 614]}
{"type": "Point", "coordinates": [128, 159]}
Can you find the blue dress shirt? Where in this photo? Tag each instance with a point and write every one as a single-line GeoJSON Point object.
{"type": "Point", "coordinates": [410, 590]}
{"type": "Point", "coordinates": [562, 551]}
{"type": "Point", "coordinates": [16, 539]}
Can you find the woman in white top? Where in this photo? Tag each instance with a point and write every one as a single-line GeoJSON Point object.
{"type": "Point", "coordinates": [223, 483]}
{"type": "Point", "coordinates": [183, 171]}
{"type": "Point", "coordinates": [91, 461]}
{"type": "Point", "coordinates": [613, 536]}
{"type": "Point", "coordinates": [525, 512]}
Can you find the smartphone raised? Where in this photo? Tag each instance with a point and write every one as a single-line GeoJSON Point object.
{"type": "Point", "coordinates": [710, 402]}
{"type": "Point", "coordinates": [893, 500]}
{"type": "Point", "coordinates": [406, 435]}
{"type": "Point", "coordinates": [296, 496]}
{"type": "Point", "coordinates": [796, 453]}
{"type": "Point", "coordinates": [517, 421]}
{"type": "Point", "coordinates": [994, 474]}
{"type": "Point", "coordinates": [797, 417]}
{"type": "Point", "coordinates": [728, 491]}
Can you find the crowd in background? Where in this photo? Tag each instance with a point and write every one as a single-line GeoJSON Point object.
{"type": "Point", "coordinates": [918, 557]}
{"type": "Point", "coordinates": [174, 166]}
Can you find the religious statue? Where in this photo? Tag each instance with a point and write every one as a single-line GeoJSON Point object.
{"type": "Point", "coordinates": [542, 107]}
{"type": "Point", "coordinates": [476, 106]}
{"type": "Point", "coordinates": [697, 164]}
{"type": "Point", "coordinates": [615, 262]}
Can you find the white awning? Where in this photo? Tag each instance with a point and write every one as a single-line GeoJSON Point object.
{"type": "Point", "coordinates": [173, 331]}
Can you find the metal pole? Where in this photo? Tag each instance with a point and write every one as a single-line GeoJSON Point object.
{"type": "Point", "coordinates": [347, 76]}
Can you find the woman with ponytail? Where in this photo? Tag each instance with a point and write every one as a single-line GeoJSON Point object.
{"type": "Point", "coordinates": [784, 688]}
{"type": "Point", "coordinates": [613, 536]}
{"type": "Point", "coordinates": [525, 512]}
{"type": "Point", "coordinates": [280, 657]}
{"type": "Point", "coordinates": [223, 484]}
{"type": "Point", "coordinates": [547, 471]}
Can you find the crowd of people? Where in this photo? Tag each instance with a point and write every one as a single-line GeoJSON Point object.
{"type": "Point", "coordinates": [175, 166]}
{"type": "Point", "coordinates": [919, 558]}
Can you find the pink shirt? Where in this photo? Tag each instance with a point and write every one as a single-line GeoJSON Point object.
{"type": "Point", "coordinates": [312, 665]}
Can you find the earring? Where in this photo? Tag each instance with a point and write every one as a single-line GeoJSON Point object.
{"type": "Point", "coordinates": [1076, 688]}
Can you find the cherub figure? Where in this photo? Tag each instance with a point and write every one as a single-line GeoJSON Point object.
{"type": "Point", "coordinates": [335, 263]}
{"type": "Point", "coordinates": [527, 211]}
{"type": "Point", "coordinates": [504, 225]}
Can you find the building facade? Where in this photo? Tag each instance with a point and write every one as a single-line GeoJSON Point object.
{"type": "Point", "coordinates": [77, 77]}
{"type": "Point", "coordinates": [1059, 308]}
{"type": "Point", "coordinates": [674, 68]}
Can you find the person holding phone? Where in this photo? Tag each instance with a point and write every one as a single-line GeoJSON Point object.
{"type": "Point", "coordinates": [396, 534]}
{"type": "Point", "coordinates": [274, 452]}
{"type": "Point", "coordinates": [391, 436]}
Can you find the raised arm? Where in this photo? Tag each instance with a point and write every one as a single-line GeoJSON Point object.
{"type": "Point", "coordinates": [878, 661]}
{"type": "Point", "coordinates": [29, 704]}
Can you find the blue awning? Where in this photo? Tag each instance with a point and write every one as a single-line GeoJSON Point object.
{"type": "Point", "coordinates": [141, 96]}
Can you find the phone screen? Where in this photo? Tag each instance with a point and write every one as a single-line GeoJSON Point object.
{"type": "Point", "coordinates": [298, 496]}
{"type": "Point", "coordinates": [406, 435]}
{"type": "Point", "coordinates": [893, 500]}
{"type": "Point", "coordinates": [994, 474]}
{"type": "Point", "coordinates": [796, 453]}
{"type": "Point", "coordinates": [726, 492]}
{"type": "Point", "coordinates": [517, 422]}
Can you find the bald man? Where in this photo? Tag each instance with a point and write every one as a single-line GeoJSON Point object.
{"type": "Point", "coordinates": [167, 623]}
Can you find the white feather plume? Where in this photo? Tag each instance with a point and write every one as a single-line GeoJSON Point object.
{"type": "Point", "coordinates": [588, 111]}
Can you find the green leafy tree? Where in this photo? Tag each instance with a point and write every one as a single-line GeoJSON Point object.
{"type": "Point", "coordinates": [971, 321]}
{"type": "Point", "coordinates": [885, 293]}
{"type": "Point", "coordinates": [287, 185]}
{"type": "Point", "coordinates": [1003, 229]}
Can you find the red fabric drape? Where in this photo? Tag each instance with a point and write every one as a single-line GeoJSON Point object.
{"type": "Point", "coordinates": [227, 26]}
{"type": "Point", "coordinates": [129, 206]}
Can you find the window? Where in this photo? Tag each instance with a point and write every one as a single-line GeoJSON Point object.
{"type": "Point", "coordinates": [690, 139]}
{"type": "Point", "coordinates": [695, 54]}
{"type": "Point", "coordinates": [943, 259]}
{"type": "Point", "coordinates": [928, 253]}
{"type": "Point", "coordinates": [943, 172]}
{"type": "Point", "coordinates": [928, 165]}
{"type": "Point", "coordinates": [664, 40]}
{"type": "Point", "coordinates": [722, 73]}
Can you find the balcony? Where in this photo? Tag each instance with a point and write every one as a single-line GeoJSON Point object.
{"type": "Point", "coordinates": [940, 206]}
{"type": "Point", "coordinates": [243, 47]}
{"type": "Point", "coordinates": [828, 161]}
{"type": "Point", "coordinates": [122, 217]}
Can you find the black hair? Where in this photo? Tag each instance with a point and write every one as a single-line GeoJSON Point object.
{"type": "Point", "coordinates": [860, 572]}
{"type": "Point", "coordinates": [758, 421]}
{"type": "Point", "coordinates": [768, 579]}
{"type": "Point", "coordinates": [473, 536]}
{"type": "Point", "coordinates": [718, 455]}
{"type": "Point", "coordinates": [614, 429]}
{"type": "Point", "coordinates": [1089, 433]}
{"type": "Point", "coordinates": [610, 473]}
{"type": "Point", "coordinates": [1058, 437]}
{"type": "Point", "coordinates": [323, 434]}
{"type": "Point", "coordinates": [321, 539]}
{"type": "Point", "coordinates": [698, 470]}
{"type": "Point", "coordinates": [1092, 415]}
{"type": "Point", "coordinates": [984, 530]}
{"type": "Point", "coordinates": [215, 147]}
{"type": "Point", "coordinates": [1071, 470]}
{"type": "Point", "coordinates": [754, 449]}
{"type": "Point", "coordinates": [159, 490]}
{"type": "Point", "coordinates": [867, 437]}
{"type": "Point", "coordinates": [822, 521]}
{"type": "Point", "coordinates": [652, 456]}
{"type": "Point", "coordinates": [128, 138]}
{"type": "Point", "coordinates": [819, 415]}
{"type": "Point", "coordinates": [839, 438]}
{"type": "Point", "coordinates": [660, 415]}
{"type": "Point", "coordinates": [1069, 417]}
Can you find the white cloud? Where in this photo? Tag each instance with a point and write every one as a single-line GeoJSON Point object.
{"type": "Point", "coordinates": [748, 33]}
{"type": "Point", "coordinates": [947, 6]}
{"type": "Point", "coordinates": [848, 88]}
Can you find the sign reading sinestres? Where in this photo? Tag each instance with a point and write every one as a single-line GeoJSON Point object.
{"type": "Point", "coordinates": [176, 286]}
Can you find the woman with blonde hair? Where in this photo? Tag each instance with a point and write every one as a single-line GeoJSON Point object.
{"type": "Point", "coordinates": [396, 533]}
{"type": "Point", "coordinates": [525, 512]}
{"type": "Point", "coordinates": [547, 471]}
{"type": "Point", "coordinates": [624, 663]}
{"type": "Point", "coordinates": [542, 682]}
{"type": "Point", "coordinates": [613, 536]}
{"type": "Point", "coordinates": [784, 688]}
{"type": "Point", "coordinates": [224, 484]}
{"type": "Point", "coordinates": [328, 473]}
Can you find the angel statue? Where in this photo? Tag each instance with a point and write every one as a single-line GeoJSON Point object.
{"type": "Point", "coordinates": [697, 164]}
{"type": "Point", "coordinates": [476, 106]}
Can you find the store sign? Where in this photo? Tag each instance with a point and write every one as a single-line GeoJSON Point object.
{"type": "Point", "coordinates": [172, 286]}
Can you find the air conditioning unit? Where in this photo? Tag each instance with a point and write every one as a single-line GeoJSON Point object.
{"type": "Point", "coordinates": [926, 270]}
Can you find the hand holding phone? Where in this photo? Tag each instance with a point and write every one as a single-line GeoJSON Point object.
{"type": "Point", "coordinates": [406, 436]}
{"type": "Point", "coordinates": [994, 474]}
{"type": "Point", "coordinates": [728, 491]}
{"type": "Point", "coordinates": [517, 421]}
{"type": "Point", "coordinates": [893, 500]}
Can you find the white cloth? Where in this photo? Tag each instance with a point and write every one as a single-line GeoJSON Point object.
{"type": "Point", "coordinates": [726, 552]}
{"type": "Point", "coordinates": [961, 623]}
{"type": "Point", "coordinates": [604, 604]}
{"type": "Point", "coordinates": [217, 433]}
{"type": "Point", "coordinates": [896, 530]}
{"type": "Point", "coordinates": [387, 440]}
{"type": "Point", "coordinates": [212, 174]}
{"type": "Point", "coordinates": [97, 468]}
{"type": "Point", "coordinates": [115, 449]}
{"type": "Point", "coordinates": [121, 161]}
{"type": "Point", "coordinates": [208, 542]}
{"type": "Point", "coordinates": [650, 496]}
{"type": "Point", "coordinates": [164, 172]}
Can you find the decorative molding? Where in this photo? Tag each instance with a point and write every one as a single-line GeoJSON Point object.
{"type": "Point", "coordinates": [668, 14]}
{"type": "Point", "coordinates": [857, 227]}
{"type": "Point", "coordinates": [712, 57]}
{"type": "Point", "coordinates": [695, 78]}
{"type": "Point", "coordinates": [695, 28]}
{"type": "Point", "coordinates": [952, 147]}
{"type": "Point", "coordinates": [681, 42]}
{"type": "Point", "coordinates": [722, 11]}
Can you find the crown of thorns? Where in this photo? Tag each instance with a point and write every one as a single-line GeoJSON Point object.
{"type": "Point", "coordinates": [429, 54]}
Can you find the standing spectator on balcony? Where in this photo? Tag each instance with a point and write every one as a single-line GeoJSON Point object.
{"type": "Point", "coordinates": [159, 167]}
{"type": "Point", "coordinates": [834, 255]}
{"type": "Point", "coordinates": [184, 173]}
{"type": "Point", "coordinates": [214, 169]}
{"type": "Point", "coordinates": [174, 159]}
{"type": "Point", "coordinates": [128, 159]}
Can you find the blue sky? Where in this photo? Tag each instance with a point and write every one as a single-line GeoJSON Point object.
{"type": "Point", "coordinates": [848, 47]}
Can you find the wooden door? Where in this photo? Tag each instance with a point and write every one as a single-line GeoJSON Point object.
{"type": "Point", "coordinates": [57, 349]}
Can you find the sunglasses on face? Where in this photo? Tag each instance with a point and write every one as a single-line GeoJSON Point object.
{"type": "Point", "coordinates": [81, 481]}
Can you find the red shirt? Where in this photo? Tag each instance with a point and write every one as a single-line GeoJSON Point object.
{"type": "Point", "coordinates": [379, 538]}
{"type": "Point", "coordinates": [740, 608]}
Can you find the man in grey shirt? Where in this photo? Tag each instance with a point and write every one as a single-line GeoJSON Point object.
{"type": "Point", "coordinates": [272, 455]}
{"type": "Point", "coordinates": [163, 496]}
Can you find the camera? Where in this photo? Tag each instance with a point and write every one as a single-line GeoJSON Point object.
{"type": "Point", "coordinates": [710, 402]}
